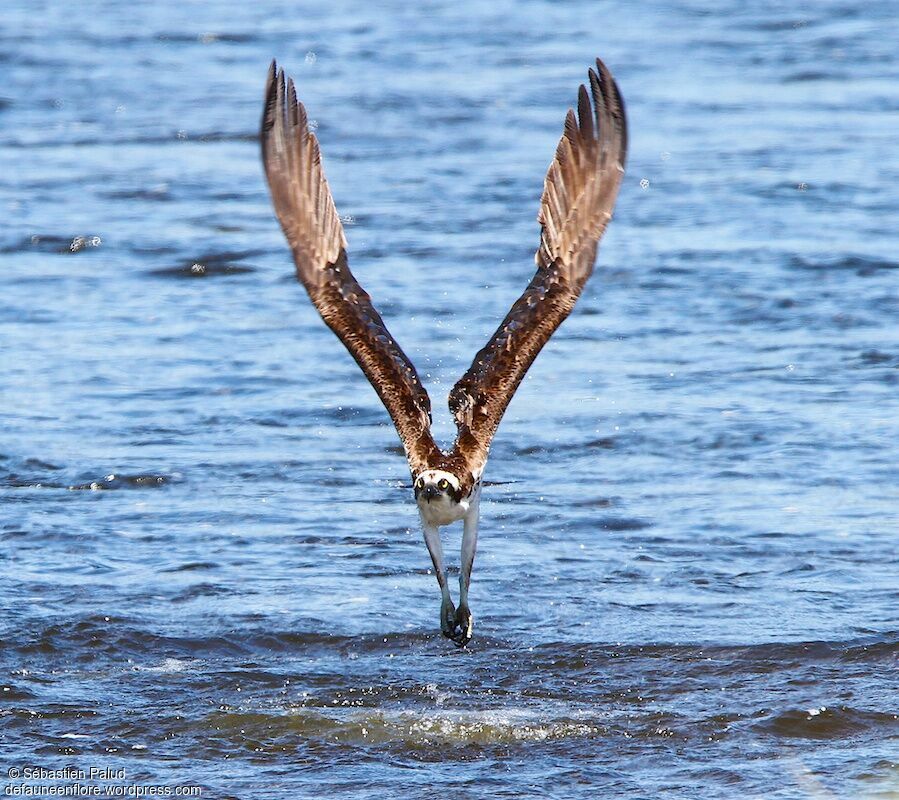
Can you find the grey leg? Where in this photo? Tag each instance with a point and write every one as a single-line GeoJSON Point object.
{"type": "Point", "coordinates": [435, 548]}
{"type": "Point", "coordinates": [464, 621]}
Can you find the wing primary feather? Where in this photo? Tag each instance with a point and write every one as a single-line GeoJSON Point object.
{"type": "Point", "coordinates": [306, 210]}
{"type": "Point", "coordinates": [579, 195]}
{"type": "Point", "coordinates": [585, 113]}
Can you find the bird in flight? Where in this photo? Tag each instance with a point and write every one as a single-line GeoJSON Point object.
{"type": "Point", "coordinates": [578, 196]}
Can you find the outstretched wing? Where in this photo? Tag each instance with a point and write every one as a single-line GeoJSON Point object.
{"type": "Point", "coordinates": [578, 196]}
{"type": "Point", "coordinates": [304, 205]}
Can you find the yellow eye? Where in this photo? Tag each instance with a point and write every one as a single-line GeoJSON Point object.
{"type": "Point", "coordinates": [443, 485]}
{"type": "Point", "coordinates": [419, 483]}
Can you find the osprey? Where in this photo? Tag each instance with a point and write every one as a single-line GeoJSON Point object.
{"type": "Point", "coordinates": [578, 196]}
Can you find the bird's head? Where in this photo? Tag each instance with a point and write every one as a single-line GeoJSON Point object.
{"type": "Point", "coordinates": [436, 486]}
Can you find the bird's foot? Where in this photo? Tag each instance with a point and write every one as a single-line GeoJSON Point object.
{"type": "Point", "coordinates": [448, 618]}
{"type": "Point", "coordinates": [463, 625]}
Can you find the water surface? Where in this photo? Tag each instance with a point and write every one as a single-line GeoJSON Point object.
{"type": "Point", "coordinates": [211, 566]}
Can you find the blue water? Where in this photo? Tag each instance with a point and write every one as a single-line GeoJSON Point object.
{"type": "Point", "coordinates": [211, 572]}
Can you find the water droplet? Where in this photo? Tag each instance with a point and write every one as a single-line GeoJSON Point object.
{"type": "Point", "coordinates": [80, 242]}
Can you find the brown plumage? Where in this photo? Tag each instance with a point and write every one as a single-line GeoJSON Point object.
{"type": "Point", "coordinates": [579, 194]}
{"type": "Point", "coordinates": [313, 229]}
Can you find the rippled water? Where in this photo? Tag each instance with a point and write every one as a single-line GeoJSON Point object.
{"type": "Point", "coordinates": [211, 566]}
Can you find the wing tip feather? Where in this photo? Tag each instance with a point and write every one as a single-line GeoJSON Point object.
{"type": "Point", "coordinates": [293, 165]}
{"type": "Point", "coordinates": [582, 181]}
{"type": "Point", "coordinates": [269, 107]}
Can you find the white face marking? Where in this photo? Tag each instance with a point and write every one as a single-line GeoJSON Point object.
{"type": "Point", "coordinates": [434, 490]}
{"type": "Point", "coordinates": [434, 476]}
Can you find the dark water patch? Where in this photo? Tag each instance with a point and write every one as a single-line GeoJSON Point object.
{"type": "Point", "coordinates": [783, 191]}
{"type": "Point", "coordinates": [53, 243]}
{"type": "Point", "coordinates": [778, 25]}
{"type": "Point", "coordinates": [597, 443]}
{"type": "Point", "coordinates": [717, 659]}
{"type": "Point", "coordinates": [29, 472]}
{"type": "Point", "coordinates": [338, 481]}
{"type": "Point", "coordinates": [206, 590]}
{"type": "Point", "coordinates": [354, 541]}
{"type": "Point", "coordinates": [294, 641]}
{"type": "Point", "coordinates": [36, 463]}
{"type": "Point", "coordinates": [602, 443]}
{"type": "Point", "coordinates": [155, 248]}
{"type": "Point", "coordinates": [810, 76]}
{"type": "Point", "coordinates": [732, 440]}
{"type": "Point", "coordinates": [173, 138]}
{"type": "Point", "coordinates": [874, 652]}
{"type": "Point", "coordinates": [350, 413]}
{"type": "Point", "coordinates": [338, 416]}
{"type": "Point", "coordinates": [114, 481]}
{"type": "Point", "coordinates": [202, 269]}
{"type": "Point", "coordinates": [10, 693]}
{"type": "Point", "coordinates": [194, 566]}
{"type": "Point", "coordinates": [861, 265]}
{"type": "Point", "coordinates": [157, 194]}
{"type": "Point", "coordinates": [623, 524]}
{"type": "Point", "coordinates": [206, 37]}
{"type": "Point", "coordinates": [877, 358]}
{"type": "Point", "coordinates": [385, 571]}
{"type": "Point", "coordinates": [99, 637]}
{"type": "Point", "coordinates": [224, 136]}
{"type": "Point", "coordinates": [839, 722]}
{"type": "Point", "coordinates": [595, 502]}
{"type": "Point", "coordinates": [167, 431]}
{"type": "Point", "coordinates": [68, 712]}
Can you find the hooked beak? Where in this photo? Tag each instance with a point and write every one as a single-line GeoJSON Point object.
{"type": "Point", "coordinates": [430, 492]}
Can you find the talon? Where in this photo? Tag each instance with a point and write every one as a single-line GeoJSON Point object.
{"type": "Point", "coordinates": [463, 625]}
{"type": "Point", "coordinates": [448, 619]}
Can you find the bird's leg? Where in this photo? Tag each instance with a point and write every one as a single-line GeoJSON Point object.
{"type": "Point", "coordinates": [447, 610]}
{"type": "Point", "coordinates": [464, 622]}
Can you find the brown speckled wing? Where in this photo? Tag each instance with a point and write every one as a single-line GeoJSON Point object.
{"type": "Point", "coordinates": [304, 205]}
{"type": "Point", "coordinates": [578, 196]}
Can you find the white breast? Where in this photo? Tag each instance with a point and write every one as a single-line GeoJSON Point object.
{"type": "Point", "coordinates": [443, 511]}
